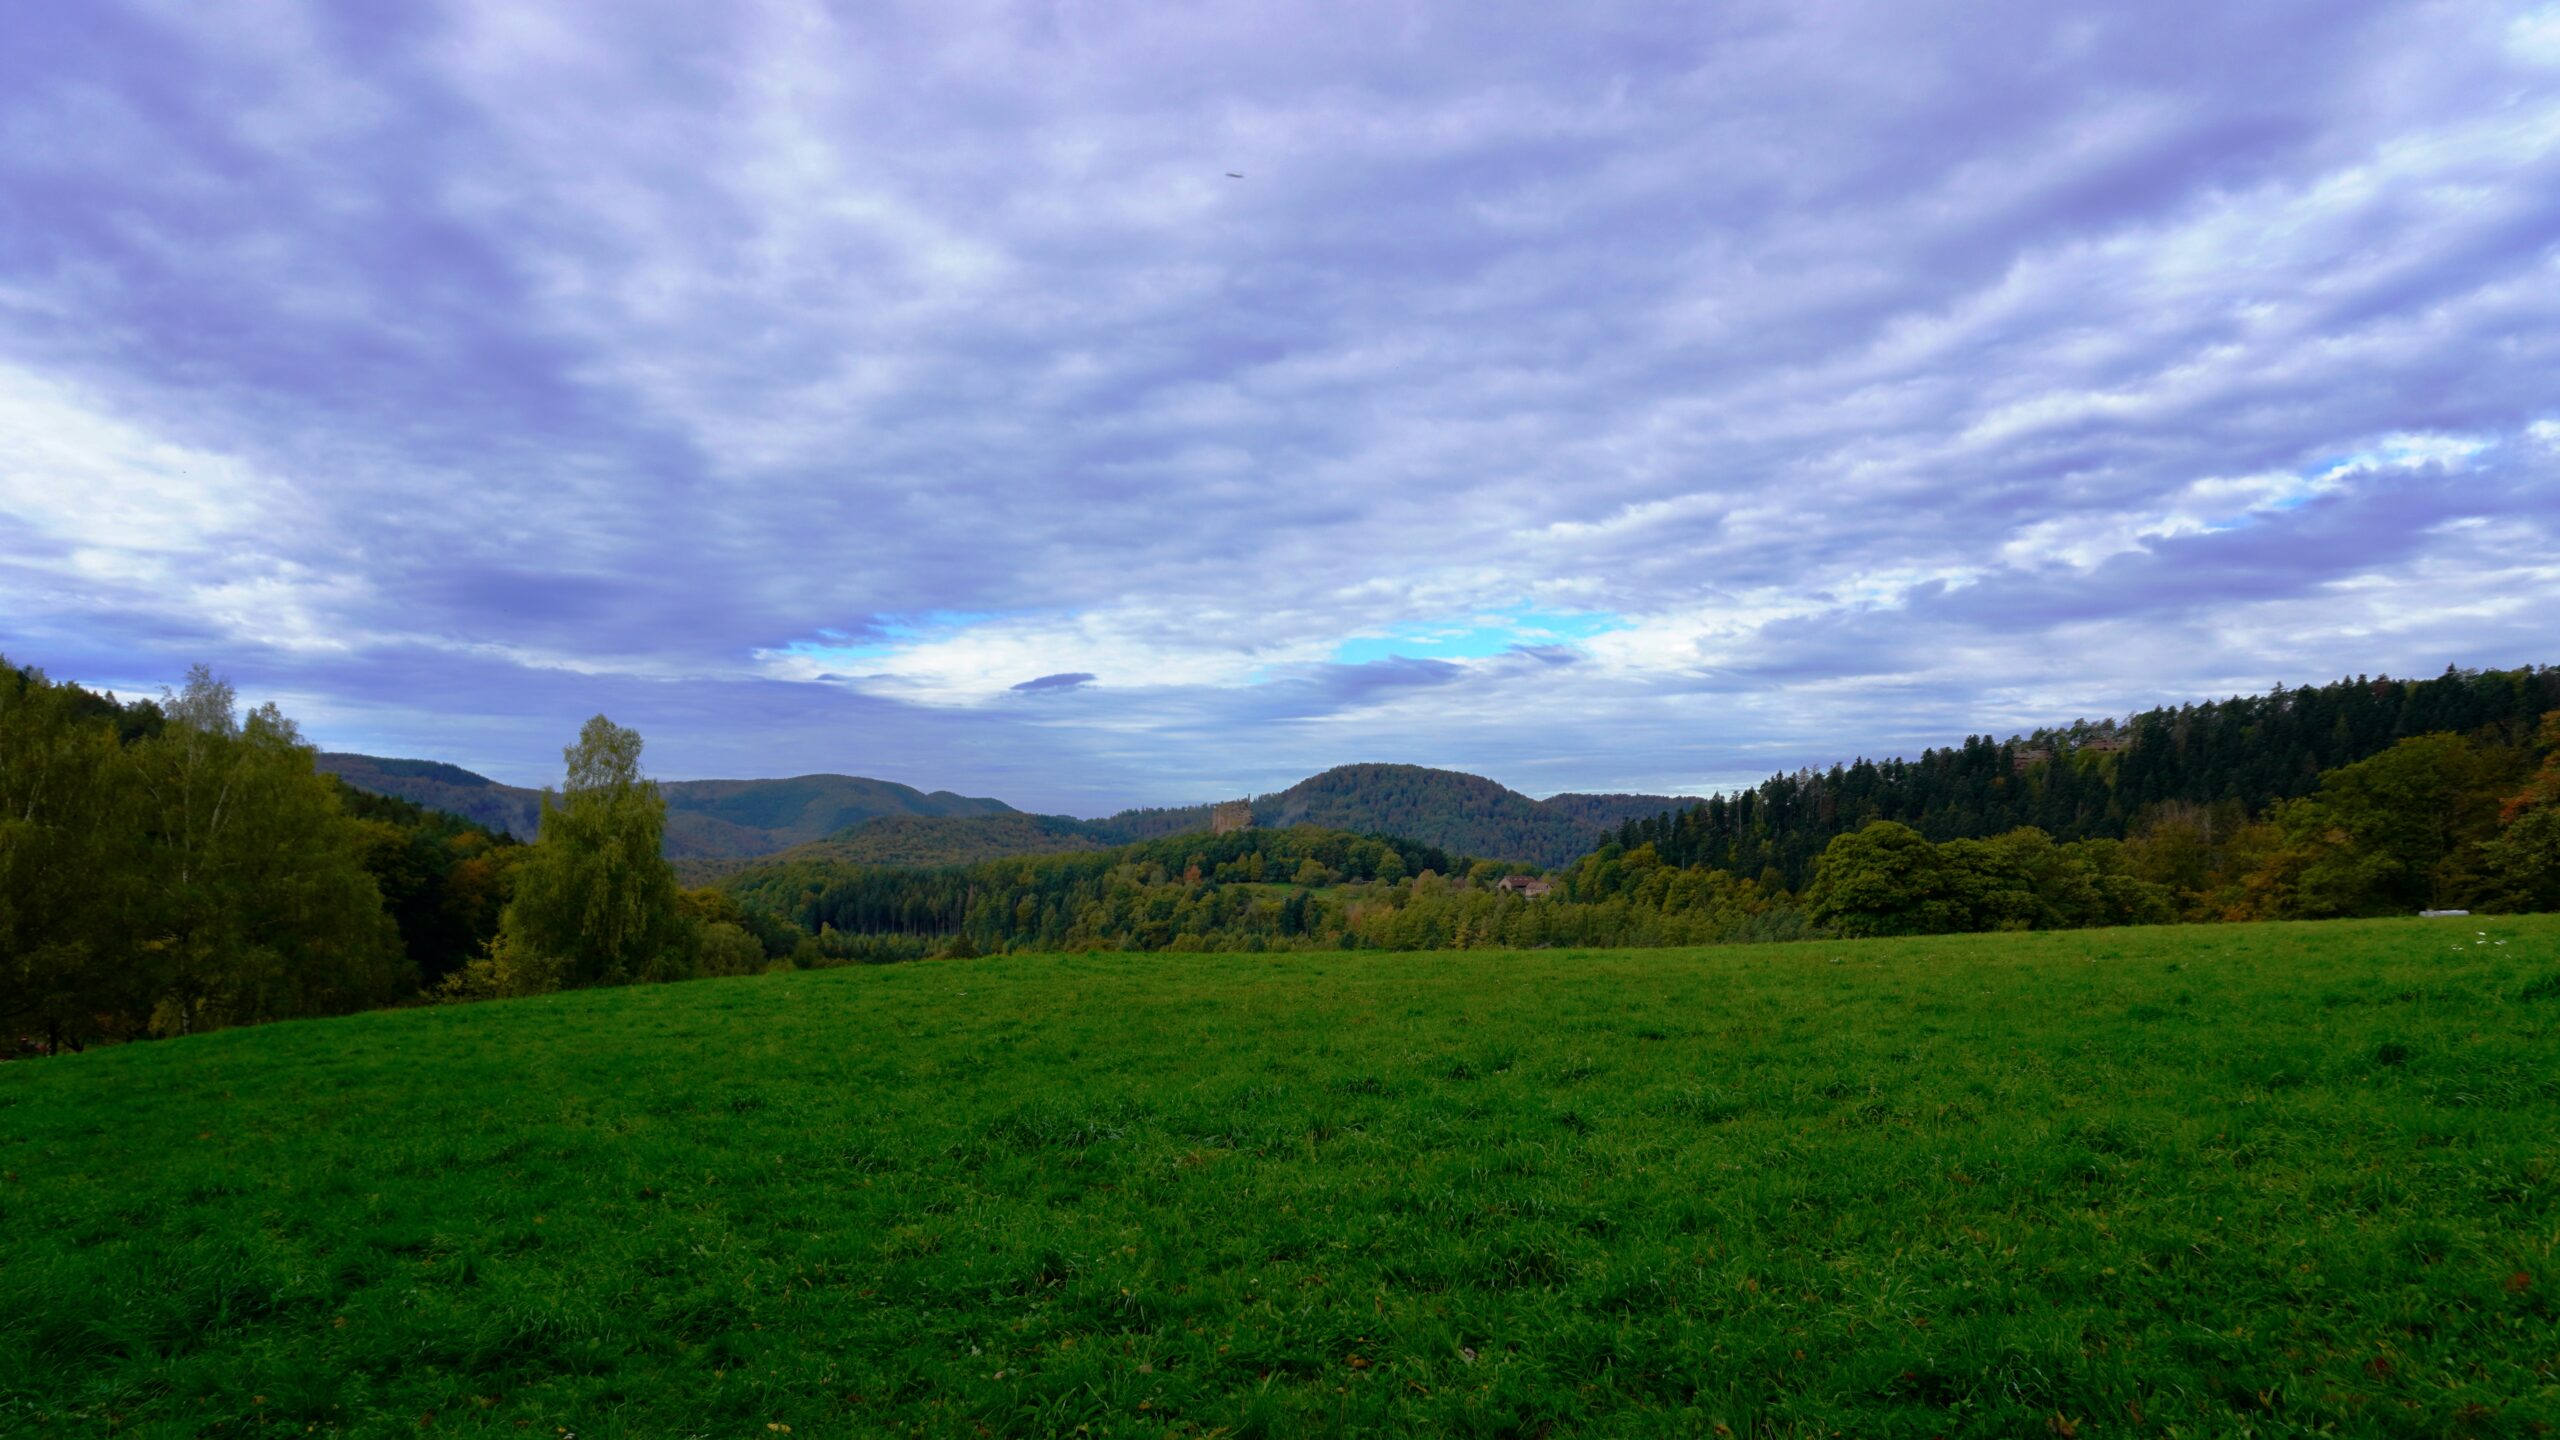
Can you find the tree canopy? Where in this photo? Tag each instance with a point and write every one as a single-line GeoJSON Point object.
{"type": "Point", "coordinates": [176, 866]}
{"type": "Point", "coordinates": [595, 899]}
{"type": "Point", "coordinates": [2098, 779]}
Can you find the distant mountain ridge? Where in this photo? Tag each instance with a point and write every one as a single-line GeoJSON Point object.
{"type": "Point", "coordinates": [439, 786]}
{"type": "Point", "coordinates": [706, 819]}
{"type": "Point", "coordinates": [879, 822]}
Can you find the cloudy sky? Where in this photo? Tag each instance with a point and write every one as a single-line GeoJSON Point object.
{"type": "Point", "coordinates": [1595, 397]}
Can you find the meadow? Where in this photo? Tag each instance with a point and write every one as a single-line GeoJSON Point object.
{"type": "Point", "coordinates": [2231, 1180]}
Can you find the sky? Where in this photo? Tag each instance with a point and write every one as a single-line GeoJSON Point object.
{"type": "Point", "coordinates": [1118, 403]}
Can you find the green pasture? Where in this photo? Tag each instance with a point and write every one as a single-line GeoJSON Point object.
{"type": "Point", "coordinates": [2234, 1180]}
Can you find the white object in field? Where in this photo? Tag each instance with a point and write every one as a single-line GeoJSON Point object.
{"type": "Point", "coordinates": [2441, 914]}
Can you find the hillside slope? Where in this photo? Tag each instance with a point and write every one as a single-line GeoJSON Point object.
{"type": "Point", "coordinates": [758, 817]}
{"type": "Point", "coordinates": [438, 786]}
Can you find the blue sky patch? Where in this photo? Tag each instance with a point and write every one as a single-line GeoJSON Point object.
{"type": "Point", "coordinates": [1478, 636]}
{"type": "Point", "coordinates": [885, 635]}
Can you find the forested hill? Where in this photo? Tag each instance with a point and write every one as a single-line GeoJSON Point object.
{"type": "Point", "coordinates": [706, 819]}
{"type": "Point", "coordinates": [1464, 814]}
{"type": "Point", "coordinates": [2101, 779]}
{"type": "Point", "coordinates": [757, 817]}
{"type": "Point", "coordinates": [511, 809]}
{"type": "Point", "coordinates": [1461, 813]}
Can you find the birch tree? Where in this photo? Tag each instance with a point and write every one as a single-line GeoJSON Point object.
{"type": "Point", "coordinates": [595, 900]}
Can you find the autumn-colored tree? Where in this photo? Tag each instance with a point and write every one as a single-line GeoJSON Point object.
{"type": "Point", "coordinates": [2523, 863]}
{"type": "Point", "coordinates": [2391, 833]}
{"type": "Point", "coordinates": [2542, 789]}
{"type": "Point", "coordinates": [2520, 866]}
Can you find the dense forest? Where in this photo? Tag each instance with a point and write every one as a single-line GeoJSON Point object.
{"type": "Point", "coordinates": [442, 879]}
{"type": "Point", "coordinates": [1295, 888]}
{"type": "Point", "coordinates": [1606, 813]}
{"type": "Point", "coordinates": [172, 865]}
{"type": "Point", "coordinates": [2097, 780]}
{"type": "Point", "coordinates": [1145, 896]}
{"type": "Point", "coordinates": [2437, 821]}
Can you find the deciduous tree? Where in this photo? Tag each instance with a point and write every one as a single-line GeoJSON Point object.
{"type": "Point", "coordinates": [257, 902]}
{"type": "Point", "coordinates": [595, 900]}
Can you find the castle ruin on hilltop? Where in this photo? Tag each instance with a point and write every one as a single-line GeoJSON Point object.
{"type": "Point", "coordinates": [1230, 815]}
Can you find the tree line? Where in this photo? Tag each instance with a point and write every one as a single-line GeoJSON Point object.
{"type": "Point", "coordinates": [2441, 821]}
{"type": "Point", "coordinates": [1302, 887]}
{"type": "Point", "coordinates": [1248, 889]}
{"type": "Point", "coordinates": [2101, 779]}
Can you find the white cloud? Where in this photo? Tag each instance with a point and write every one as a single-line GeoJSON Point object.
{"type": "Point", "coordinates": [2223, 502]}
{"type": "Point", "coordinates": [2535, 35]}
{"type": "Point", "coordinates": [970, 662]}
{"type": "Point", "coordinates": [82, 477]}
{"type": "Point", "coordinates": [2409, 451]}
{"type": "Point", "coordinates": [133, 518]}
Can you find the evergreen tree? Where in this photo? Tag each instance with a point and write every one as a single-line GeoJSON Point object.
{"type": "Point", "coordinates": [2092, 780]}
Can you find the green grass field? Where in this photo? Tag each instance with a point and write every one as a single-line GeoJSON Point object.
{"type": "Point", "coordinates": [2263, 1180]}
